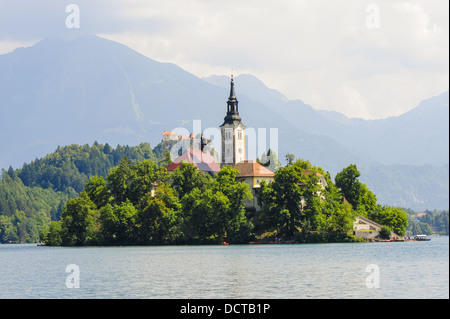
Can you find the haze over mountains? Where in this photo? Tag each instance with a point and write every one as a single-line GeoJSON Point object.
{"type": "Point", "coordinates": [61, 92]}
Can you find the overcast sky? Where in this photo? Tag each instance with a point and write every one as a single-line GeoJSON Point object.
{"type": "Point", "coordinates": [369, 59]}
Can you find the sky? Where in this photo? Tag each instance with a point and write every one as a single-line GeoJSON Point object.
{"type": "Point", "coordinates": [363, 58]}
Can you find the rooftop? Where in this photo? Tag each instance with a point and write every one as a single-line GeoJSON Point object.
{"type": "Point", "coordinates": [252, 168]}
{"type": "Point", "coordinates": [202, 160]}
{"type": "Point", "coordinates": [169, 133]}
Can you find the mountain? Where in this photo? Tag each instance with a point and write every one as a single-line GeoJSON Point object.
{"type": "Point", "coordinates": [62, 92]}
{"type": "Point", "coordinates": [403, 159]}
{"type": "Point", "coordinates": [59, 92]}
{"type": "Point", "coordinates": [418, 137]}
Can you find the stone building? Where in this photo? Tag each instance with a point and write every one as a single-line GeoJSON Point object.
{"type": "Point", "coordinates": [253, 173]}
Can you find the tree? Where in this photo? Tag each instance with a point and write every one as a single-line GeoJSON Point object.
{"type": "Point", "coordinates": [269, 160]}
{"type": "Point", "coordinates": [368, 201]}
{"type": "Point", "coordinates": [97, 191]}
{"type": "Point", "coordinates": [290, 159]}
{"type": "Point", "coordinates": [349, 185]}
{"type": "Point", "coordinates": [79, 223]}
{"type": "Point", "coordinates": [119, 180]}
{"type": "Point", "coordinates": [186, 177]}
{"type": "Point", "coordinates": [385, 232]}
{"type": "Point", "coordinates": [395, 218]}
{"type": "Point", "coordinates": [291, 201]}
{"type": "Point", "coordinates": [233, 224]}
{"type": "Point", "coordinates": [203, 213]}
{"type": "Point", "coordinates": [12, 172]}
{"type": "Point", "coordinates": [166, 160]}
{"type": "Point", "coordinates": [336, 218]}
{"type": "Point", "coordinates": [142, 180]}
{"type": "Point", "coordinates": [159, 220]}
{"type": "Point", "coordinates": [118, 224]}
{"type": "Point", "coordinates": [52, 237]}
{"type": "Point", "coordinates": [8, 232]}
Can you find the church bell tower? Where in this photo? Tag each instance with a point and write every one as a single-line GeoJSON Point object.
{"type": "Point", "coordinates": [232, 132]}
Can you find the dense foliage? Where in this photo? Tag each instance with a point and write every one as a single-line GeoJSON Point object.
{"type": "Point", "coordinates": [428, 222]}
{"type": "Point", "coordinates": [34, 195]}
{"type": "Point", "coordinates": [25, 211]}
{"type": "Point", "coordinates": [141, 204]}
{"type": "Point", "coordinates": [438, 220]}
{"type": "Point", "coordinates": [297, 206]}
{"type": "Point", "coordinates": [69, 167]}
{"type": "Point", "coordinates": [97, 195]}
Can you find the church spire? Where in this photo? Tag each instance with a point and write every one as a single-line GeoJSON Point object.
{"type": "Point", "coordinates": [232, 106]}
{"type": "Point", "coordinates": [232, 132]}
{"type": "Point", "coordinates": [232, 93]}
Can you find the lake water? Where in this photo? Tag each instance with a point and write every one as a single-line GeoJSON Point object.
{"type": "Point", "coordinates": [399, 270]}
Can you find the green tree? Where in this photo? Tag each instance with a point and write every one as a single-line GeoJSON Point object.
{"type": "Point", "coordinates": [8, 232]}
{"type": "Point", "coordinates": [143, 180]}
{"type": "Point", "coordinates": [336, 218]}
{"type": "Point", "coordinates": [385, 232]}
{"type": "Point", "coordinates": [53, 236]}
{"type": "Point", "coordinates": [349, 185]}
{"type": "Point", "coordinates": [368, 201]}
{"type": "Point", "coordinates": [79, 223]}
{"type": "Point", "coordinates": [119, 180]}
{"type": "Point", "coordinates": [204, 213]}
{"type": "Point", "coordinates": [270, 160]}
{"type": "Point", "coordinates": [290, 158]}
{"type": "Point", "coordinates": [97, 191]}
{"type": "Point", "coordinates": [186, 177]}
{"type": "Point", "coordinates": [394, 218]}
{"type": "Point", "coordinates": [233, 224]}
{"type": "Point", "coordinates": [159, 219]}
{"type": "Point", "coordinates": [166, 160]}
{"type": "Point", "coordinates": [118, 224]}
{"type": "Point", "coordinates": [291, 201]}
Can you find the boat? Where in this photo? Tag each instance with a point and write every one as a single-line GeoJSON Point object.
{"type": "Point", "coordinates": [421, 238]}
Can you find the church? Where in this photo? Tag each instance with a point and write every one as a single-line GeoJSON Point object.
{"type": "Point", "coordinates": [232, 132]}
{"type": "Point", "coordinates": [233, 153]}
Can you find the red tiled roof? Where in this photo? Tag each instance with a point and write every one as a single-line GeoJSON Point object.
{"type": "Point", "coordinates": [252, 168]}
{"type": "Point", "coordinates": [307, 172]}
{"type": "Point", "coordinates": [204, 161]}
{"type": "Point", "coordinates": [169, 133]}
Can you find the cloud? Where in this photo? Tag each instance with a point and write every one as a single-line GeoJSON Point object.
{"type": "Point", "coordinates": [321, 51]}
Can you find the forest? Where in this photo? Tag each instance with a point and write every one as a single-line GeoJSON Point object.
{"type": "Point", "coordinates": [98, 195]}
{"type": "Point", "coordinates": [34, 195]}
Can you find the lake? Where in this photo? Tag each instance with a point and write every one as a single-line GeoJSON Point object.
{"type": "Point", "coordinates": [354, 270]}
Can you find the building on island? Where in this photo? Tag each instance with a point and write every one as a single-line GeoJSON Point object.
{"type": "Point", "coordinates": [169, 136]}
{"type": "Point", "coordinates": [366, 228]}
{"type": "Point", "coordinates": [202, 160]}
{"type": "Point", "coordinates": [232, 132]}
{"type": "Point", "coordinates": [253, 173]}
{"type": "Point", "coordinates": [232, 142]}
{"type": "Point", "coordinates": [233, 152]}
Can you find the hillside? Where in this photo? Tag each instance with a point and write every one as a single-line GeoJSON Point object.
{"type": "Point", "coordinates": [34, 195]}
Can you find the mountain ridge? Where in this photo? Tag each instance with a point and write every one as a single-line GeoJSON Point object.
{"type": "Point", "coordinates": [59, 92]}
